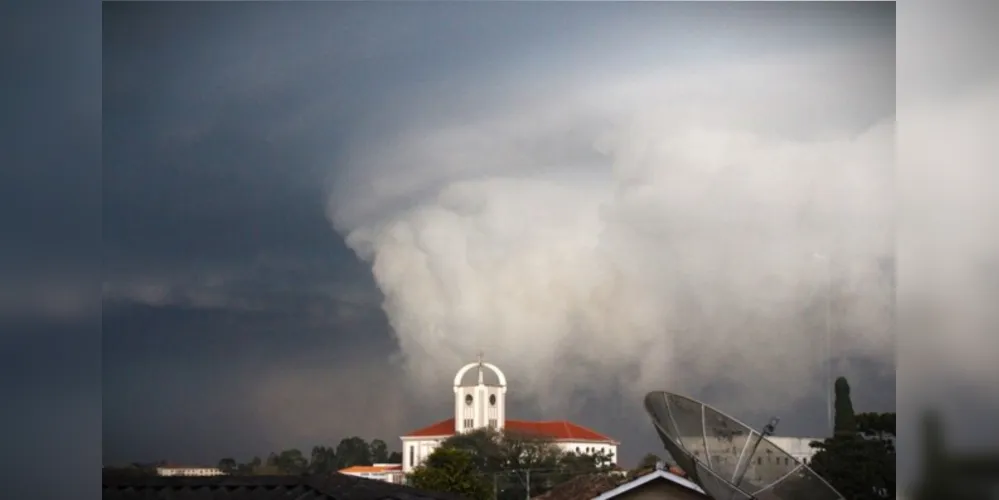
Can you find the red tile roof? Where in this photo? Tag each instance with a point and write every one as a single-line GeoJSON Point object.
{"type": "Point", "coordinates": [559, 430]}
{"type": "Point", "coordinates": [440, 429]}
{"type": "Point", "coordinates": [371, 468]}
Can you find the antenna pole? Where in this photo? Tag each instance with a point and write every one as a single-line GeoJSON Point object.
{"type": "Point", "coordinates": [828, 346]}
{"type": "Point", "coordinates": [528, 484]}
{"type": "Point", "coordinates": [743, 467]}
{"type": "Point", "coordinates": [829, 388]}
{"type": "Point", "coordinates": [827, 343]}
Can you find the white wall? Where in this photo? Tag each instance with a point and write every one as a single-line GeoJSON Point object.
{"type": "Point", "coordinates": [586, 447]}
{"type": "Point", "coordinates": [418, 450]}
{"type": "Point", "coordinates": [395, 477]}
{"type": "Point", "coordinates": [189, 471]}
{"type": "Point", "coordinates": [798, 447]}
{"type": "Point", "coordinates": [422, 448]}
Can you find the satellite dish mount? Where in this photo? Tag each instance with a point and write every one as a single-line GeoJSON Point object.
{"type": "Point", "coordinates": [728, 459]}
{"type": "Point", "coordinates": [768, 430]}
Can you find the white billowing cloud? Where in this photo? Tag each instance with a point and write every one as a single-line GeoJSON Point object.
{"type": "Point", "coordinates": [631, 231]}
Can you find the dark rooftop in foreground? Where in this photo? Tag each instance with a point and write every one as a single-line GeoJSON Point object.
{"type": "Point", "coordinates": [331, 487]}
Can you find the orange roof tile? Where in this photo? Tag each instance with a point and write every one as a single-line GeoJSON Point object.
{"type": "Point", "coordinates": [372, 468]}
{"type": "Point", "coordinates": [559, 430]}
{"type": "Point", "coordinates": [440, 429]}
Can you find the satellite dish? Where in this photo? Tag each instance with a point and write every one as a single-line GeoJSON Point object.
{"type": "Point", "coordinates": [728, 459]}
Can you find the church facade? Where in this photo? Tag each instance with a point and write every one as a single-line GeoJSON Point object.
{"type": "Point", "coordinates": [480, 405]}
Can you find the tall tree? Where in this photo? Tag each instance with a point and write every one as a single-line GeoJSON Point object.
{"type": "Point", "coordinates": [859, 459]}
{"type": "Point", "coordinates": [322, 460]}
{"type": "Point", "coordinates": [248, 468]}
{"type": "Point", "coordinates": [227, 465]}
{"type": "Point", "coordinates": [292, 462]}
{"type": "Point", "coordinates": [352, 451]}
{"type": "Point", "coordinates": [451, 470]}
{"type": "Point", "coordinates": [378, 451]}
{"type": "Point", "coordinates": [845, 422]}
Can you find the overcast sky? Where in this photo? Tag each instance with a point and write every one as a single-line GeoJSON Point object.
{"type": "Point", "coordinates": [246, 145]}
{"type": "Point", "coordinates": [244, 142]}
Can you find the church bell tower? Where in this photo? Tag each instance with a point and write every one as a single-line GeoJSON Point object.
{"type": "Point", "coordinates": [479, 405]}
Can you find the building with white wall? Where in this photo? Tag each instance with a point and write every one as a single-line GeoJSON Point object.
{"type": "Point", "coordinates": [189, 471]}
{"type": "Point", "coordinates": [798, 447]}
{"type": "Point", "coordinates": [390, 473]}
{"type": "Point", "coordinates": [480, 405]}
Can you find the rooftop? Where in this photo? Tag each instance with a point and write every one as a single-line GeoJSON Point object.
{"type": "Point", "coordinates": [559, 430]}
{"type": "Point", "coordinates": [582, 487]}
{"type": "Point", "coordinates": [376, 468]}
{"type": "Point", "coordinates": [332, 487]}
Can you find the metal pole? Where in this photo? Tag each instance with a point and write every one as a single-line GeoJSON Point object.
{"type": "Point", "coordinates": [743, 468]}
{"type": "Point", "coordinates": [827, 342]}
{"type": "Point", "coordinates": [829, 384]}
{"type": "Point", "coordinates": [528, 496]}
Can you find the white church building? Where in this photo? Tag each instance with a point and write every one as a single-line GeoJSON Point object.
{"type": "Point", "coordinates": [479, 405]}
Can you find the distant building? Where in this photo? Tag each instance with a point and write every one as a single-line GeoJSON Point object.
{"type": "Point", "coordinates": [481, 405]}
{"type": "Point", "coordinates": [798, 447]}
{"type": "Point", "coordinates": [390, 473]}
{"type": "Point", "coordinates": [188, 471]}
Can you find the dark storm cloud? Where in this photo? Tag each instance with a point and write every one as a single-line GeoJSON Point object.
{"type": "Point", "coordinates": [49, 186]}
{"type": "Point", "coordinates": [50, 222]}
{"type": "Point", "coordinates": [236, 321]}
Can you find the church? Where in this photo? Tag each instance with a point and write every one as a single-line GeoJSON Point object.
{"type": "Point", "coordinates": [479, 405]}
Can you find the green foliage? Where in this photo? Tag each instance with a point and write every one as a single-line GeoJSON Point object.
{"type": "Point", "coordinates": [352, 451]}
{"type": "Point", "coordinates": [451, 470]}
{"type": "Point", "coordinates": [378, 451]}
{"type": "Point", "coordinates": [509, 461]}
{"type": "Point", "coordinates": [291, 462]}
{"type": "Point", "coordinates": [845, 422]}
{"type": "Point", "coordinates": [649, 461]}
{"type": "Point", "coordinates": [321, 460]}
{"type": "Point", "coordinates": [227, 465]}
{"type": "Point", "coordinates": [859, 459]}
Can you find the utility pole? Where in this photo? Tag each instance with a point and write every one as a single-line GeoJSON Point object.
{"type": "Point", "coordinates": [528, 497]}
{"type": "Point", "coordinates": [827, 343]}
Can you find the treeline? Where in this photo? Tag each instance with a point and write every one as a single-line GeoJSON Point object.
{"type": "Point", "coordinates": [487, 464]}
{"type": "Point", "coordinates": [859, 459]}
{"type": "Point", "coordinates": [321, 460]}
